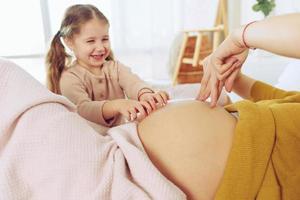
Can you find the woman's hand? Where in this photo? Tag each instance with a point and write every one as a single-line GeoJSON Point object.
{"type": "Point", "coordinates": [221, 67]}
{"type": "Point", "coordinates": [156, 100]}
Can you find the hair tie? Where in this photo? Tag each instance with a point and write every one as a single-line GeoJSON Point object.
{"type": "Point", "coordinates": [146, 91]}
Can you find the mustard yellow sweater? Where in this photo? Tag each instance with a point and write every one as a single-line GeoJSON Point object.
{"type": "Point", "coordinates": [264, 162]}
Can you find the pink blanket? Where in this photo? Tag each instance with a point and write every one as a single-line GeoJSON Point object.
{"type": "Point", "coordinates": [48, 152]}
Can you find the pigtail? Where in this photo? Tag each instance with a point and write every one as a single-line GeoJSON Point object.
{"type": "Point", "coordinates": [55, 61]}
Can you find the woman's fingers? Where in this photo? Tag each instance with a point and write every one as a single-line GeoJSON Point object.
{"type": "Point", "coordinates": [205, 79]}
{"type": "Point", "coordinates": [204, 87]}
{"type": "Point", "coordinates": [206, 92]}
{"type": "Point", "coordinates": [230, 66]}
{"type": "Point", "coordinates": [220, 88]}
{"type": "Point", "coordinates": [219, 70]}
{"type": "Point", "coordinates": [224, 67]}
{"type": "Point", "coordinates": [214, 91]}
{"type": "Point", "coordinates": [230, 80]}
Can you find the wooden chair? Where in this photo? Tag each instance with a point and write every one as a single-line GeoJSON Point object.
{"type": "Point", "coordinates": [196, 45]}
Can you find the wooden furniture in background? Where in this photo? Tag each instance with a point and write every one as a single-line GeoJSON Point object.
{"type": "Point", "coordinates": [196, 45]}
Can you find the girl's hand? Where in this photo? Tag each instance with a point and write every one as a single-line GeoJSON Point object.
{"type": "Point", "coordinates": [131, 109]}
{"type": "Point", "coordinates": [156, 100]}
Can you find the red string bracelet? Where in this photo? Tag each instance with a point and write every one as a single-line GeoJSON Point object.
{"type": "Point", "coordinates": [243, 35]}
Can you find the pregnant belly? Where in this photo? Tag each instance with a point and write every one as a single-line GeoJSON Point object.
{"type": "Point", "coordinates": [189, 143]}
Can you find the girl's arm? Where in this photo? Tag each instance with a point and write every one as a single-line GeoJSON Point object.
{"type": "Point", "coordinates": [72, 88]}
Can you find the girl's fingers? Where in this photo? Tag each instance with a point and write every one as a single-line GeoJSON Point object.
{"type": "Point", "coordinates": [141, 110]}
{"type": "Point", "coordinates": [164, 96]}
{"type": "Point", "coordinates": [147, 106]}
{"type": "Point", "coordinates": [132, 114]}
{"type": "Point", "coordinates": [151, 101]}
{"type": "Point", "coordinates": [127, 115]}
{"type": "Point", "coordinates": [159, 99]}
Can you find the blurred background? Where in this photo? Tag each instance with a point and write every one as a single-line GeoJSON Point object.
{"type": "Point", "coordinates": [143, 32]}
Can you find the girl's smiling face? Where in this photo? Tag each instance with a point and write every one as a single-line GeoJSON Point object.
{"type": "Point", "coordinates": [91, 46]}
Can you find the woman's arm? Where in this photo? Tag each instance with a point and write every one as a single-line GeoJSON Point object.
{"type": "Point", "coordinates": [278, 34]}
{"type": "Point", "coordinates": [242, 86]}
{"type": "Point", "coordinates": [253, 90]}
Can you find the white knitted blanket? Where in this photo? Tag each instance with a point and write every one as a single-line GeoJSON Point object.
{"type": "Point", "coordinates": [48, 152]}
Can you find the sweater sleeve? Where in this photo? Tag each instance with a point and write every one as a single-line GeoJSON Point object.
{"type": "Point", "coordinates": [73, 88]}
{"type": "Point", "coordinates": [130, 82]}
{"type": "Point", "coordinates": [262, 91]}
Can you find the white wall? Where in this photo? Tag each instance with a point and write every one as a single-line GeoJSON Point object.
{"type": "Point", "coordinates": [282, 7]}
{"type": "Point", "coordinates": [240, 11]}
{"type": "Point", "coordinates": [169, 16]}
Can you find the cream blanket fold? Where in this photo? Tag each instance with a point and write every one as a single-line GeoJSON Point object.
{"type": "Point", "coordinates": [48, 152]}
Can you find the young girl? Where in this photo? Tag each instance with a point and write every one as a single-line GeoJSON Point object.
{"type": "Point", "coordinates": [95, 82]}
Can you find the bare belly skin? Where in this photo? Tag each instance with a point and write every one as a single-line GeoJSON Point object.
{"type": "Point", "coordinates": [189, 143]}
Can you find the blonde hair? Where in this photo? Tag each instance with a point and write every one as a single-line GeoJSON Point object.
{"type": "Point", "coordinates": [57, 59]}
